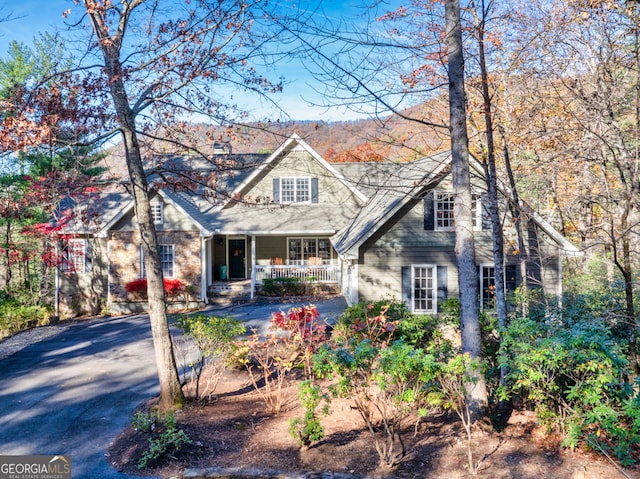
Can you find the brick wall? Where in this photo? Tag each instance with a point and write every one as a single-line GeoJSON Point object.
{"type": "Point", "coordinates": [124, 260]}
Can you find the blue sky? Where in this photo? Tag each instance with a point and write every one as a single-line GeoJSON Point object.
{"type": "Point", "coordinates": [33, 16]}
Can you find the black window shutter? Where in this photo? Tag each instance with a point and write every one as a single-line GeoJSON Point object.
{"type": "Point", "coordinates": [314, 190]}
{"type": "Point", "coordinates": [486, 215]}
{"type": "Point", "coordinates": [429, 219]}
{"type": "Point", "coordinates": [88, 255]}
{"type": "Point", "coordinates": [406, 287]}
{"type": "Point", "coordinates": [443, 290]}
{"type": "Point", "coordinates": [511, 277]}
{"type": "Point", "coordinates": [276, 190]}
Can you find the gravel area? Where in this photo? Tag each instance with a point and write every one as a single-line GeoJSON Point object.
{"type": "Point", "coordinates": [21, 340]}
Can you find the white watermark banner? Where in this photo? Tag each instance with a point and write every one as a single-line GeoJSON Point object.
{"type": "Point", "coordinates": [35, 467]}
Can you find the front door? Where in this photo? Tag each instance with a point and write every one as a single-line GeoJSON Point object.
{"type": "Point", "coordinates": [237, 249]}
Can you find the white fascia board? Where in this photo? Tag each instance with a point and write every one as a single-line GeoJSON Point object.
{"type": "Point", "coordinates": [294, 137]}
{"type": "Point", "coordinates": [567, 248]}
{"type": "Point", "coordinates": [435, 178]}
{"type": "Point", "coordinates": [257, 171]}
{"type": "Point", "coordinates": [276, 233]}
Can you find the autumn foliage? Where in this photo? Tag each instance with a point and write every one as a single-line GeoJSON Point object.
{"type": "Point", "coordinates": [172, 287]}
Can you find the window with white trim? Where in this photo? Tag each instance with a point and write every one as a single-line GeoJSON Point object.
{"type": "Point", "coordinates": [424, 290]}
{"type": "Point", "coordinates": [157, 212]}
{"type": "Point", "coordinates": [487, 287]}
{"type": "Point", "coordinates": [301, 249]}
{"type": "Point", "coordinates": [443, 211]}
{"type": "Point", "coordinates": [75, 256]}
{"type": "Point", "coordinates": [167, 260]}
{"type": "Point", "coordinates": [296, 189]}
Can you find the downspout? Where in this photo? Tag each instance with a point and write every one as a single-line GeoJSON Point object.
{"type": "Point", "coordinates": [560, 289]}
{"type": "Point", "coordinates": [253, 266]}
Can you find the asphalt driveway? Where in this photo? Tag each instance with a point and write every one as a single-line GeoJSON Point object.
{"type": "Point", "coordinates": [73, 392]}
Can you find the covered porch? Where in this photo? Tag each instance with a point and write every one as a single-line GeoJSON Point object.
{"type": "Point", "coordinates": [256, 258]}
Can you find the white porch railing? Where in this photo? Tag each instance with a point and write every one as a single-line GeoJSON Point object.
{"type": "Point", "coordinates": [326, 273]}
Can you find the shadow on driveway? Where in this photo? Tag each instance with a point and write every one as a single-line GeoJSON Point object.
{"type": "Point", "coordinates": [257, 314]}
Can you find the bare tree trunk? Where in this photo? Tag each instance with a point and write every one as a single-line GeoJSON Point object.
{"type": "Point", "coordinates": [464, 242]}
{"type": "Point", "coordinates": [171, 395]}
{"type": "Point", "coordinates": [491, 177]}
{"type": "Point", "coordinates": [492, 186]}
{"type": "Point", "coordinates": [519, 217]}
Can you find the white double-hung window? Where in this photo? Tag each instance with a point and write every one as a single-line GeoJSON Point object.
{"type": "Point", "coordinates": [424, 290]}
{"type": "Point", "coordinates": [157, 212]}
{"type": "Point", "coordinates": [76, 256]}
{"type": "Point", "coordinates": [443, 211]}
{"type": "Point", "coordinates": [295, 190]}
{"type": "Point", "coordinates": [167, 260]}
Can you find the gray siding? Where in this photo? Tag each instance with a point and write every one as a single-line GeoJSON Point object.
{"type": "Point", "coordinates": [403, 241]}
{"type": "Point", "coordinates": [299, 163]}
{"type": "Point", "coordinates": [270, 246]}
{"type": "Point", "coordinates": [174, 219]}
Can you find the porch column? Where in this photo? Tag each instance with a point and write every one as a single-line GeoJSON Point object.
{"type": "Point", "coordinates": [253, 266]}
{"type": "Point", "coordinates": [203, 268]}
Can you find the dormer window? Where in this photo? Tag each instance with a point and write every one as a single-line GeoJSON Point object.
{"type": "Point", "coordinates": [157, 213]}
{"type": "Point", "coordinates": [299, 189]}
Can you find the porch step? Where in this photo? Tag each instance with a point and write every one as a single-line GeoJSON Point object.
{"type": "Point", "coordinates": [229, 292]}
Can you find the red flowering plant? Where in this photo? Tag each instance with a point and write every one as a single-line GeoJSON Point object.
{"type": "Point", "coordinates": [305, 331]}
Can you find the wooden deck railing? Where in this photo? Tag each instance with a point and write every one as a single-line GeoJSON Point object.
{"type": "Point", "coordinates": [326, 273]}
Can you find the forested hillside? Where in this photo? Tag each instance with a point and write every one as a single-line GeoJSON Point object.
{"type": "Point", "coordinates": [388, 139]}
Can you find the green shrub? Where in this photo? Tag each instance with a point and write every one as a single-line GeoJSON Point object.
{"type": "Point", "coordinates": [164, 438]}
{"type": "Point", "coordinates": [386, 320]}
{"type": "Point", "coordinates": [573, 372]}
{"type": "Point", "coordinates": [214, 338]}
{"type": "Point", "coordinates": [15, 317]}
{"type": "Point", "coordinates": [387, 382]}
{"type": "Point", "coordinates": [283, 287]}
{"type": "Point", "coordinates": [308, 429]}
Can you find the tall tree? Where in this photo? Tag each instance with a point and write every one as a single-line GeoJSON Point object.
{"type": "Point", "coordinates": [159, 63]}
{"type": "Point", "coordinates": [464, 237]}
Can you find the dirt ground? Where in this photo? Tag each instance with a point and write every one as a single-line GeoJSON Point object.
{"type": "Point", "coordinates": [234, 431]}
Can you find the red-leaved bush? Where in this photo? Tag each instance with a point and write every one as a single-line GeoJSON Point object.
{"type": "Point", "coordinates": [136, 286]}
{"type": "Point", "coordinates": [172, 287]}
{"type": "Point", "coordinates": [306, 332]}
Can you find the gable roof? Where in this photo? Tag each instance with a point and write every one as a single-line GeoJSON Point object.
{"type": "Point", "coordinates": [400, 183]}
{"type": "Point", "coordinates": [407, 182]}
{"type": "Point", "coordinates": [87, 214]}
{"type": "Point", "coordinates": [277, 155]}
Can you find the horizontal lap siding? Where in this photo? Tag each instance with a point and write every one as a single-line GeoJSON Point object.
{"type": "Point", "coordinates": [403, 242]}
{"type": "Point", "coordinates": [301, 164]}
{"type": "Point", "coordinates": [271, 247]}
{"type": "Point", "coordinates": [174, 220]}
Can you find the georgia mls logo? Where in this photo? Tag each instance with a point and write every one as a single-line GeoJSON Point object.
{"type": "Point", "coordinates": [35, 467]}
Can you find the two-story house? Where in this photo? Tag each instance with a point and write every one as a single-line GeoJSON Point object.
{"type": "Point", "coordinates": [372, 230]}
